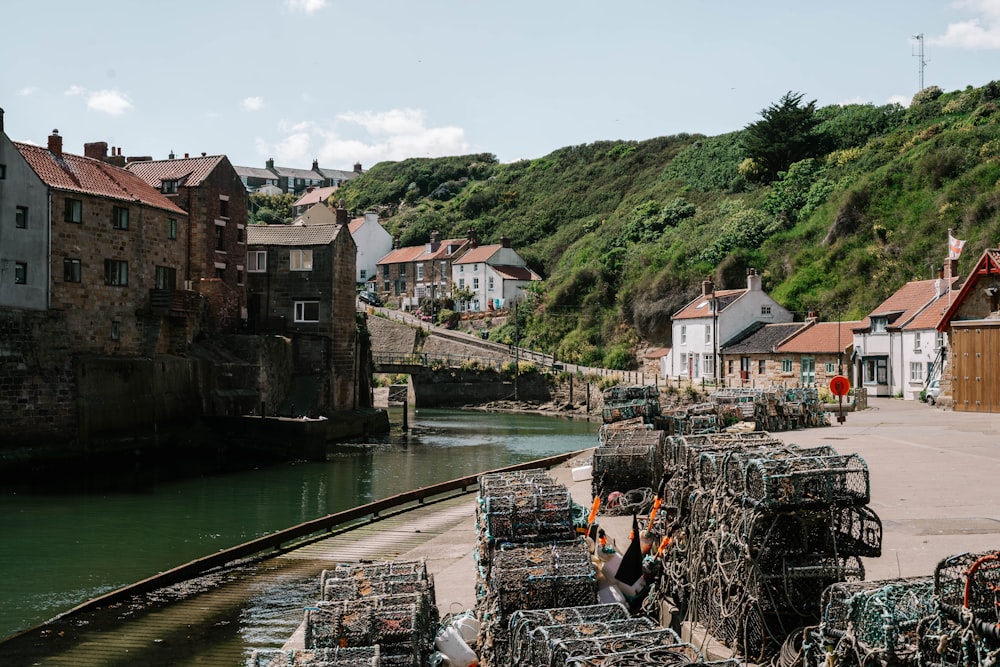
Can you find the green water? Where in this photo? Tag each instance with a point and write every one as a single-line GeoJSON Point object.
{"type": "Point", "coordinates": [60, 549]}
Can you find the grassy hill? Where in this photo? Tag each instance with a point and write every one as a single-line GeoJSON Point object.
{"type": "Point", "coordinates": [624, 232]}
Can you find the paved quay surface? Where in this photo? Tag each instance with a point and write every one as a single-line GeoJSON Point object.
{"type": "Point", "coordinates": [935, 484]}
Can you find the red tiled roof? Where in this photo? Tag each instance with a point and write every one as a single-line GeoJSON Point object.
{"type": "Point", "coordinates": [907, 301]}
{"type": "Point", "coordinates": [479, 254]}
{"type": "Point", "coordinates": [820, 338]}
{"type": "Point", "coordinates": [656, 353]}
{"type": "Point", "coordinates": [516, 273]}
{"type": "Point", "coordinates": [186, 171]}
{"type": "Point", "coordinates": [418, 253]}
{"type": "Point", "coordinates": [74, 173]}
{"type": "Point", "coordinates": [355, 225]}
{"type": "Point", "coordinates": [315, 196]}
{"type": "Point", "coordinates": [929, 317]}
{"type": "Point", "coordinates": [699, 306]}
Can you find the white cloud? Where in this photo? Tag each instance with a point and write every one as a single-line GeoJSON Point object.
{"type": "Point", "coordinates": [979, 32]}
{"type": "Point", "coordinates": [252, 103]}
{"type": "Point", "coordinates": [27, 91]}
{"type": "Point", "coordinates": [109, 101]}
{"type": "Point", "coordinates": [307, 6]}
{"type": "Point", "coordinates": [366, 136]}
{"type": "Point", "coordinates": [75, 90]}
{"type": "Point", "coordinates": [901, 100]}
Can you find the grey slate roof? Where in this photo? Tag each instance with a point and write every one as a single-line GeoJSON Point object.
{"type": "Point", "coordinates": [760, 339]}
{"type": "Point", "coordinates": [255, 172]}
{"type": "Point", "coordinates": [291, 235]}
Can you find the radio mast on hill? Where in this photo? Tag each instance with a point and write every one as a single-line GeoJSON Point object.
{"type": "Point", "coordinates": [920, 54]}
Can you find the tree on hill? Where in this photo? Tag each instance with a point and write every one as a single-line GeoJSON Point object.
{"type": "Point", "coordinates": [785, 134]}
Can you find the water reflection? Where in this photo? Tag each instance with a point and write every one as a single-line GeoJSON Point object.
{"type": "Point", "coordinates": [62, 548]}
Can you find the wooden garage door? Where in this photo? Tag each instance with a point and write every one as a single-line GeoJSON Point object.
{"type": "Point", "coordinates": [976, 374]}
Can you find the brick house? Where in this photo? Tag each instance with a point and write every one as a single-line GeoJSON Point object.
{"type": "Point", "coordinates": [970, 381]}
{"type": "Point", "coordinates": [300, 284]}
{"type": "Point", "coordinates": [718, 316]}
{"type": "Point", "coordinates": [814, 354]}
{"type": "Point", "coordinates": [494, 274]}
{"type": "Point", "coordinates": [117, 247]}
{"type": "Point", "coordinates": [748, 360]}
{"type": "Point", "coordinates": [211, 192]}
{"type": "Point", "coordinates": [407, 275]}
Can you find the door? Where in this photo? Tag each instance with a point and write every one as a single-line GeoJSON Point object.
{"type": "Point", "coordinates": [807, 371]}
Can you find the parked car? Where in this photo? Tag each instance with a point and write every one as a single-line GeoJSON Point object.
{"type": "Point", "coordinates": [933, 390]}
{"type": "Point", "coordinates": [369, 297]}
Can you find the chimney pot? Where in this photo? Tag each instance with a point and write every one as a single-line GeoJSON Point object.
{"type": "Point", "coordinates": [707, 287]}
{"type": "Point", "coordinates": [315, 165]}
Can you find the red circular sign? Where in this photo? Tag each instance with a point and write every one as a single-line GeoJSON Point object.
{"type": "Point", "coordinates": [840, 385]}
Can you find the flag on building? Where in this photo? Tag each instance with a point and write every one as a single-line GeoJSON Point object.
{"type": "Point", "coordinates": [954, 246]}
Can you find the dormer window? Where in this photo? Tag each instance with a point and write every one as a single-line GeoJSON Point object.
{"type": "Point", "coordinates": [879, 324]}
{"type": "Point", "coordinates": [170, 187]}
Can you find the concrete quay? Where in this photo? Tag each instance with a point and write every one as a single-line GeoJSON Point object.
{"type": "Point", "coordinates": [935, 484]}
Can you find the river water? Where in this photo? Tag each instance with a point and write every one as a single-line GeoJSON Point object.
{"type": "Point", "coordinates": [60, 549]}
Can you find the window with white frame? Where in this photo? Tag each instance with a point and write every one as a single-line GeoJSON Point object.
{"type": "Point", "coordinates": [879, 324]}
{"type": "Point", "coordinates": [916, 371]}
{"type": "Point", "coordinates": [684, 334]}
{"type": "Point", "coordinates": [916, 340]}
{"type": "Point", "coordinates": [489, 284]}
{"type": "Point", "coordinates": [307, 311]}
{"type": "Point", "coordinates": [256, 261]}
{"type": "Point", "coordinates": [684, 360]}
{"type": "Point", "coordinates": [708, 333]}
{"type": "Point", "coordinates": [475, 284]}
{"type": "Point", "coordinates": [940, 339]}
{"type": "Point", "coordinates": [831, 367]}
{"type": "Point", "coordinates": [364, 275]}
{"type": "Point", "coordinates": [420, 271]}
{"type": "Point", "coordinates": [708, 365]}
{"type": "Point", "coordinates": [786, 365]}
{"type": "Point", "coordinates": [300, 260]}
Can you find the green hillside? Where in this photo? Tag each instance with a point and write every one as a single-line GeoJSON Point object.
{"type": "Point", "coordinates": [836, 207]}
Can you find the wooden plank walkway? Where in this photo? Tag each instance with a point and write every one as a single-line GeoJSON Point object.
{"type": "Point", "coordinates": [219, 618]}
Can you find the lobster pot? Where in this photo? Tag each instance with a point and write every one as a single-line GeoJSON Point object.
{"type": "Point", "coordinates": [528, 577]}
{"type": "Point", "coordinates": [524, 516]}
{"type": "Point", "coordinates": [361, 656]}
{"type": "Point", "coordinates": [642, 408]}
{"type": "Point", "coordinates": [624, 468]}
{"type": "Point", "coordinates": [608, 645]}
{"type": "Point", "coordinates": [808, 482]}
{"type": "Point", "coordinates": [523, 621]}
{"type": "Point", "coordinates": [609, 436]}
{"type": "Point", "coordinates": [404, 631]}
{"type": "Point", "coordinates": [883, 615]}
{"type": "Point", "coordinates": [363, 572]}
{"type": "Point", "coordinates": [536, 648]}
{"type": "Point", "coordinates": [350, 589]}
{"type": "Point", "coordinates": [630, 393]}
{"type": "Point", "coordinates": [737, 460]}
{"type": "Point", "coordinates": [495, 482]}
{"type": "Point", "coordinates": [972, 581]}
{"type": "Point", "coordinates": [335, 625]}
{"type": "Point", "coordinates": [798, 585]}
{"type": "Point", "coordinates": [661, 656]}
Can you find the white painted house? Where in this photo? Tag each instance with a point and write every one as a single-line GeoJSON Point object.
{"type": "Point", "coordinates": [495, 274]}
{"type": "Point", "coordinates": [709, 322]}
{"type": "Point", "coordinates": [897, 348]}
{"type": "Point", "coordinates": [373, 242]}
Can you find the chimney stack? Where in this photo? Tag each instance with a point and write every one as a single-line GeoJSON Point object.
{"type": "Point", "coordinates": [357, 167]}
{"type": "Point", "coordinates": [341, 213]}
{"type": "Point", "coordinates": [97, 150]}
{"type": "Point", "coordinates": [812, 316]}
{"type": "Point", "coordinates": [1, 120]}
{"type": "Point", "coordinates": [315, 165]}
{"type": "Point", "coordinates": [504, 241]}
{"type": "Point", "coordinates": [269, 165]}
{"type": "Point", "coordinates": [753, 280]}
{"type": "Point", "coordinates": [55, 143]}
{"type": "Point", "coordinates": [707, 287]}
{"type": "Point", "coordinates": [471, 235]}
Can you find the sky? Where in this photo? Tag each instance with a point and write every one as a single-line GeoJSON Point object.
{"type": "Point", "coordinates": [371, 80]}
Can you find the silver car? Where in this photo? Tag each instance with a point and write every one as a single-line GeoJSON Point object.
{"type": "Point", "coordinates": [933, 390]}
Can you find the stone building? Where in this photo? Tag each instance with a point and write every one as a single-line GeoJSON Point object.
{"type": "Point", "coordinates": [814, 354]}
{"type": "Point", "coordinates": [749, 360]}
{"type": "Point", "coordinates": [300, 284]}
{"type": "Point", "coordinates": [407, 275]}
{"type": "Point", "coordinates": [211, 192]}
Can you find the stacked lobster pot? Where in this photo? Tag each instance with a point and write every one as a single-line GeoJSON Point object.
{"type": "Point", "coordinates": [631, 403]}
{"type": "Point", "coordinates": [870, 622]}
{"type": "Point", "coordinates": [965, 628]}
{"type": "Point", "coordinates": [761, 530]}
{"type": "Point", "coordinates": [627, 465]}
{"type": "Point", "coordinates": [692, 419]}
{"type": "Point", "coordinates": [362, 656]}
{"type": "Point", "coordinates": [593, 635]}
{"type": "Point", "coordinates": [789, 409]}
{"type": "Point", "coordinates": [529, 554]}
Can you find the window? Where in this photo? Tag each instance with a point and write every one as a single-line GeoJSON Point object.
{"type": "Point", "coordinates": [765, 310]}
{"type": "Point", "coordinates": [916, 371]}
{"type": "Point", "coordinates": [21, 217]}
{"type": "Point", "coordinates": [916, 340]}
{"type": "Point", "coordinates": [239, 275]}
{"type": "Point", "coordinates": [761, 366]}
{"type": "Point", "coordinates": [115, 272]}
{"type": "Point", "coordinates": [807, 369]}
{"type": "Point", "coordinates": [166, 277]}
{"type": "Point", "coordinates": [116, 330]}
{"type": "Point", "coordinates": [940, 339]}
{"type": "Point", "coordinates": [420, 271]}
{"type": "Point", "coordinates": [20, 273]}
{"type": "Point", "coordinates": [71, 270]}
{"type": "Point", "coordinates": [171, 228]}
{"type": "Point", "coordinates": [684, 360]}
{"type": "Point", "coordinates": [684, 335]}
{"type": "Point", "coordinates": [220, 237]}
{"type": "Point", "coordinates": [364, 274]}
{"type": "Point", "coordinates": [461, 268]}
{"type": "Point", "coordinates": [119, 217]}
{"type": "Point", "coordinates": [831, 368]}
{"type": "Point", "coordinates": [708, 365]}
{"type": "Point", "coordinates": [220, 273]}
{"type": "Point", "coordinates": [169, 187]}
{"type": "Point", "coordinates": [241, 234]}
{"type": "Point", "coordinates": [402, 270]}
{"type": "Point", "coordinates": [879, 324]}
{"type": "Point", "coordinates": [730, 366]}
{"type": "Point", "coordinates": [300, 260]}
{"type": "Point", "coordinates": [461, 283]}
{"type": "Point", "coordinates": [73, 211]}
{"type": "Point", "coordinates": [708, 333]}
{"type": "Point", "coordinates": [257, 261]}
{"type": "Point", "coordinates": [876, 370]}
{"type": "Point", "coordinates": [475, 284]}
{"type": "Point", "coordinates": [307, 311]}
{"type": "Point", "coordinates": [223, 208]}
{"type": "Point", "coordinates": [490, 283]}
{"type": "Point", "coordinates": [385, 271]}
{"type": "Point", "coordinates": [3, 171]}
{"type": "Point", "coordinates": [786, 365]}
